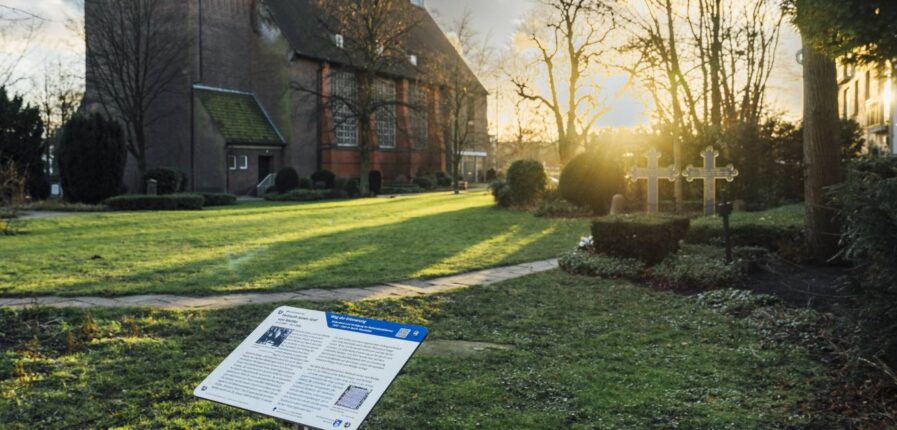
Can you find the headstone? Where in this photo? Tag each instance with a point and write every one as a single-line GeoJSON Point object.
{"type": "Point", "coordinates": [710, 174]}
{"type": "Point", "coordinates": [152, 187]}
{"type": "Point", "coordinates": [618, 205]}
{"type": "Point", "coordinates": [653, 173]}
{"type": "Point", "coordinates": [312, 368]}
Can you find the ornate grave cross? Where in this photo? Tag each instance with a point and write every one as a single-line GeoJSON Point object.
{"type": "Point", "coordinates": [653, 173]}
{"type": "Point", "coordinates": [710, 174]}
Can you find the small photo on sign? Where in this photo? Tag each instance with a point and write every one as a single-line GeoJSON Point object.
{"type": "Point", "coordinates": [274, 336]}
{"type": "Point", "coordinates": [353, 397]}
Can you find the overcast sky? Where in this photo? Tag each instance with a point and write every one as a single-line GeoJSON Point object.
{"type": "Point", "coordinates": [495, 19]}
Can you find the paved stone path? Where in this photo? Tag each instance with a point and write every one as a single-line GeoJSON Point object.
{"type": "Point", "coordinates": [388, 290]}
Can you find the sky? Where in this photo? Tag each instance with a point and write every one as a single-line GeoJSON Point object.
{"type": "Point", "coordinates": [494, 20]}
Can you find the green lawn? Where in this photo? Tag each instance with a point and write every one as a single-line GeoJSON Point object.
{"type": "Point", "coordinates": [271, 246]}
{"type": "Point", "coordinates": [586, 354]}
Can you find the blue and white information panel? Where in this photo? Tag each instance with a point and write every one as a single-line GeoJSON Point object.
{"type": "Point", "coordinates": [315, 369]}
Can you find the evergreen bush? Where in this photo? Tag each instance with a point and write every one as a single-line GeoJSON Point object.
{"type": "Point", "coordinates": [145, 202]}
{"type": "Point", "coordinates": [867, 203]}
{"type": "Point", "coordinates": [92, 157]}
{"type": "Point", "coordinates": [326, 177]}
{"type": "Point", "coordinates": [590, 180]}
{"type": "Point", "coordinates": [527, 181]}
{"type": "Point", "coordinates": [287, 180]}
{"type": "Point", "coordinates": [218, 199]}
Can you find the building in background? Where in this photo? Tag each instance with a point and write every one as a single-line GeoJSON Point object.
{"type": "Point", "coordinates": [867, 96]}
{"type": "Point", "coordinates": [232, 118]}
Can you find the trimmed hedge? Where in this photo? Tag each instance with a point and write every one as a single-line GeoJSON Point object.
{"type": "Point", "coordinates": [400, 188]}
{"type": "Point", "coordinates": [300, 195]}
{"type": "Point", "coordinates": [218, 199]}
{"type": "Point", "coordinates": [143, 202]}
{"type": "Point", "coordinates": [647, 238]}
{"type": "Point", "coordinates": [779, 230]}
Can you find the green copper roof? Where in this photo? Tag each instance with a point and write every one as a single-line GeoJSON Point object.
{"type": "Point", "coordinates": [240, 117]}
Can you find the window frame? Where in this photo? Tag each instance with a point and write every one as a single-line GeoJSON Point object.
{"type": "Point", "coordinates": [243, 162]}
{"type": "Point", "coordinates": [345, 127]}
{"type": "Point", "coordinates": [232, 162]}
{"type": "Point", "coordinates": [385, 117]}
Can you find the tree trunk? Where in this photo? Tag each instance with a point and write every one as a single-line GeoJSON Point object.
{"type": "Point", "coordinates": [365, 158]}
{"type": "Point", "coordinates": [821, 152]}
{"type": "Point", "coordinates": [567, 146]}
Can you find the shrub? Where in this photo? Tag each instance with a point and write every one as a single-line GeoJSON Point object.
{"type": "Point", "coordinates": [300, 195]}
{"type": "Point", "coordinates": [779, 230]}
{"type": "Point", "coordinates": [185, 182]}
{"type": "Point", "coordinates": [527, 180]}
{"type": "Point", "coordinates": [306, 184]}
{"type": "Point", "coordinates": [92, 158]}
{"type": "Point", "coordinates": [21, 142]}
{"type": "Point", "coordinates": [579, 262]}
{"type": "Point", "coordinates": [646, 238]}
{"type": "Point", "coordinates": [553, 205]}
{"type": "Point", "coordinates": [402, 188]}
{"type": "Point", "coordinates": [287, 180]}
{"type": "Point", "coordinates": [350, 187]}
{"type": "Point", "coordinates": [218, 199]}
{"type": "Point", "coordinates": [443, 179]}
{"type": "Point", "coordinates": [491, 175]}
{"type": "Point", "coordinates": [501, 191]}
{"type": "Point", "coordinates": [143, 202]}
{"type": "Point", "coordinates": [590, 180]}
{"type": "Point", "coordinates": [867, 203]}
{"type": "Point", "coordinates": [424, 182]}
{"type": "Point", "coordinates": [168, 181]}
{"type": "Point", "coordinates": [326, 177]}
{"type": "Point", "coordinates": [375, 182]}
{"type": "Point", "coordinates": [685, 271]}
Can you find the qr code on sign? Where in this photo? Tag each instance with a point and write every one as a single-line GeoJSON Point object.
{"type": "Point", "coordinates": [403, 333]}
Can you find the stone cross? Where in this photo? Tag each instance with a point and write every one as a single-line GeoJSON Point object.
{"type": "Point", "coordinates": [653, 173]}
{"type": "Point", "coordinates": [710, 174]}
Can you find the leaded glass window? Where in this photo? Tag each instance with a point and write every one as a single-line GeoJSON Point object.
{"type": "Point", "coordinates": [419, 116]}
{"type": "Point", "coordinates": [385, 96]}
{"type": "Point", "coordinates": [344, 90]}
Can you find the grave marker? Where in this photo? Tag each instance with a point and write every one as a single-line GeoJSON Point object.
{"type": "Point", "coordinates": [653, 173]}
{"type": "Point", "coordinates": [710, 174]}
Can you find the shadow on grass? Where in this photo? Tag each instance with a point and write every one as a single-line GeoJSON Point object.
{"type": "Point", "coordinates": [424, 246]}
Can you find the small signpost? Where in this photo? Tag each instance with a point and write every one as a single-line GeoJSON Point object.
{"type": "Point", "coordinates": [313, 369]}
{"type": "Point", "coordinates": [653, 173]}
{"type": "Point", "coordinates": [710, 174]}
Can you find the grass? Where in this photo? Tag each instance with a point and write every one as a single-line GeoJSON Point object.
{"type": "Point", "coordinates": [781, 217]}
{"type": "Point", "coordinates": [274, 246]}
{"type": "Point", "coordinates": [586, 354]}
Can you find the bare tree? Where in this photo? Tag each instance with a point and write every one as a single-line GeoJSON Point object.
{"type": "Point", "coordinates": [457, 76]}
{"type": "Point", "coordinates": [706, 63]}
{"type": "Point", "coordinates": [568, 37]}
{"type": "Point", "coordinates": [58, 97]}
{"type": "Point", "coordinates": [18, 31]}
{"type": "Point", "coordinates": [527, 137]}
{"type": "Point", "coordinates": [136, 49]}
{"type": "Point", "coordinates": [370, 42]}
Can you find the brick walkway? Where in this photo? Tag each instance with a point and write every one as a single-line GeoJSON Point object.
{"type": "Point", "coordinates": [388, 290]}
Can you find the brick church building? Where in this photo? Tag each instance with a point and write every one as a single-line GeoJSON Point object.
{"type": "Point", "coordinates": [232, 118]}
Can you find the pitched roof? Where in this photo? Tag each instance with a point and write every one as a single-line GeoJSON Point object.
{"type": "Point", "coordinates": [302, 23]}
{"type": "Point", "coordinates": [239, 116]}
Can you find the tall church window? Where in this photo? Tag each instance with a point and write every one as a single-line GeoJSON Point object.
{"type": "Point", "coordinates": [419, 116]}
{"type": "Point", "coordinates": [385, 96]}
{"type": "Point", "coordinates": [344, 90]}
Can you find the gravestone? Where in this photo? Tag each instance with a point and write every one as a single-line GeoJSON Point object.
{"type": "Point", "coordinates": [653, 173]}
{"type": "Point", "coordinates": [618, 205]}
{"type": "Point", "coordinates": [710, 174]}
{"type": "Point", "coordinates": [152, 187]}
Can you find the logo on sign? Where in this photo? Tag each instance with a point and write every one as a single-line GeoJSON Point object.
{"type": "Point", "coordinates": [337, 423]}
{"type": "Point", "coordinates": [403, 333]}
